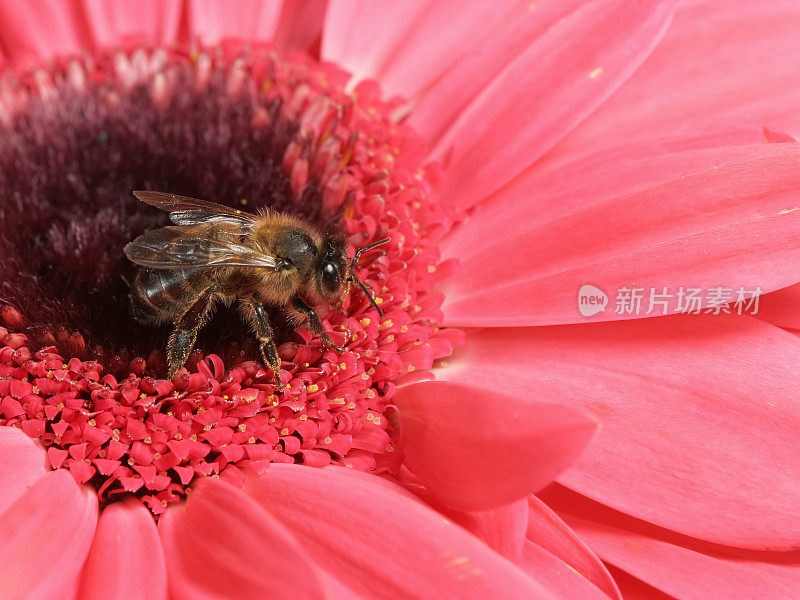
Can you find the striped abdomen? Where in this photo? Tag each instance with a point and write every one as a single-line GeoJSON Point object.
{"type": "Point", "coordinates": [162, 295]}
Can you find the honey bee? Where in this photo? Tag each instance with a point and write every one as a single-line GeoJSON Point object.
{"type": "Point", "coordinates": [214, 253]}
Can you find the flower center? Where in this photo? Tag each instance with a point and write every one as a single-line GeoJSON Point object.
{"type": "Point", "coordinates": [241, 127]}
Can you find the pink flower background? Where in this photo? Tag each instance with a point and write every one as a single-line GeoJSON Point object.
{"type": "Point", "coordinates": [602, 142]}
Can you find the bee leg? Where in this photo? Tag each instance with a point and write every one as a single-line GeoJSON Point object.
{"type": "Point", "coordinates": [184, 335]}
{"type": "Point", "coordinates": [314, 323]}
{"type": "Point", "coordinates": [269, 353]}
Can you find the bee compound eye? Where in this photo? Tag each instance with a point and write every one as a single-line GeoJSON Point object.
{"type": "Point", "coordinates": [330, 277]}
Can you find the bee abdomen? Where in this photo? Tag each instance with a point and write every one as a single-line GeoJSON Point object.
{"type": "Point", "coordinates": [160, 295]}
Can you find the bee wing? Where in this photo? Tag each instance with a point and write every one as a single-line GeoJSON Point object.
{"type": "Point", "coordinates": [179, 248]}
{"type": "Point", "coordinates": [191, 211]}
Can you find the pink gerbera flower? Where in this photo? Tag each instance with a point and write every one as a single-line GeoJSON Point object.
{"type": "Point", "coordinates": [469, 154]}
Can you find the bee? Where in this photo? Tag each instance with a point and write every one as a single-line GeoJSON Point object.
{"type": "Point", "coordinates": [214, 253]}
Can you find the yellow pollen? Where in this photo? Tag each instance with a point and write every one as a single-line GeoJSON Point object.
{"type": "Point", "coordinates": [251, 440]}
{"type": "Point", "coordinates": [284, 431]}
{"type": "Point", "coordinates": [431, 268]}
{"type": "Point", "coordinates": [371, 393]}
{"type": "Point", "coordinates": [157, 456]}
{"type": "Point", "coordinates": [327, 440]}
{"type": "Point", "coordinates": [35, 390]}
{"type": "Point", "coordinates": [225, 398]}
{"type": "Point", "coordinates": [313, 388]}
{"type": "Point", "coordinates": [63, 366]}
{"type": "Point", "coordinates": [389, 448]}
{"type": "Point", "coordinates": [148, 440]}
{"type": "Point", "coordinates": [242, 426]}
{"type": "Point", "coordinates": [596, 73]}
{"type": "Point", "coordinates": [131, 461]}
{"type": "Point", "coordinates": [370, 416]}
{"type": "Point", "coordinates": [342, 366]}
{"type": "Point", "coordinates": [337, 401]}
{"type": "Point", "coordinates": [390, 337]}
{"type": "Point", "coordinates": [364, 376]}
{"type": "Point", "coordinates": [92, 422]}
{"type": "Point", "coordinates": [178, 436]}
{"type": "Point", "coordinates": [386, 324]}
{"type": "Point", "coordinates": [304, 417]}
{"type": "Point", "coordinates": [365, 321]}
{"type": "Point", "coordinates": [206, 427]}
{"type": "Point", "coordinates": [410, 368]}
{"type": "Point", "coordinates": [193, 437]}
{"type": "Point", "coordinates": [378, 300]}
{"type": "Point", "coordinates": [271, 420]}
{"type": "Point", "coordinates": [404, 328]}
{"type": "Point", "coordinates": [142, 396]}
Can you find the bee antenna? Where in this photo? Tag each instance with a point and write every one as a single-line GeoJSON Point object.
{"type": "Point", "coordinates": [366, 292]}
{"type": "Point", "coordinates": [364, 249]}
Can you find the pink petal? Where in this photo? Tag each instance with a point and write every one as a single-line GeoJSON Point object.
{"type": "Point", "coordinates": [214, 20]}
{"type": "Point", "coordinates": [540, 96]}
{"type": "Point", "coordinates": [382, 542]}
{"type": "Point", "coordinates": [126, 560]}
{"type": "Point", "coordinates": [474, 448]}
{"type": "Point", "coordinates": [719, 62]}
{"type": "Point", "coordinates": [548, 531]}
{"type": "Point", "coordinates": [45, 537]}
{"type": "Point", "coordinates": [421, 40]}
{"type": "Point", "coordinates": [558, 576]}
{"type": "Point", "coordinates": [700, 423]}
{"type": "Point", "coordinates": [300, 26]}
{"type": "Point", "coordinates": [221, 540]}
{"type": "Point", "coordinates": [678, 565]}
{"type": "Point", "coordinates": [31, 32]}
{"type": "Point", "coordinates": [679, 220]}
{"type": "Point", "coordinates": [22, 463]}
{"type": "Point", "coordinates": [635, 589]}
{"type": "Point", "coordinates": [502, 529]}
{"type": "Point", "coordinates": [114, 21]}
{"type": "Point", "coordinates": [781, 308]}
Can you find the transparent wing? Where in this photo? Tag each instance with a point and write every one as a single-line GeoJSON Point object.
{"type": "Point", "coordinates": [191, 211]}
{"type": "Point", "coordinates": [181, 248]}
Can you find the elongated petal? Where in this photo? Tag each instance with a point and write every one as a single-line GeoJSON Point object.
{"type": "Point", "coordinates": [474, 448]}
{"type": "Point", "coordinates": [382, 542]}
{"type": "Point", "coordinates": [22, 463]}
{"type": "Point", "coordinates": [568, 72]}
{"type": "Point", "coordinates": [781, 308]}
{"type": "Point", "coordinates": [678, 565]}
{"type": "Point", "coordinates": [548, 531]}
{"type": "Point", "coordinates": [636, 589]}
{"type": "Point", "coordinates": [113, 22]}
{"type": "Point", "coordinates": [424, 44]}
{"type": "Point", "coordinates": [220, 540]}
{"type": "Point", "coordinates": [700, 422]}
{"type": "Point", "coordinates": [560, 577]}
{"type": "Point", "coordinates": [712, 218]}
{"type": "Point", "coordinates": [213, 20]}
{"type": "Point", "coordinates": [502, 528]}
{"type": "Point", "coordinates": [719, 62]}
{"type": "Point", "coordinates": [45, 537]}
{"type": "Point", "coordinates": [32, 32]}
{"type": "Point", "coordinates": [300, 26]}
{"type": "Point", "coordinates": [126, 560]}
